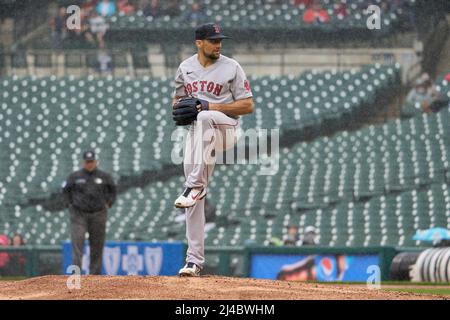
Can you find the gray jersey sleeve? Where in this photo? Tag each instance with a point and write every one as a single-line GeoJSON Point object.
{"type": "Point", "coordinates": [240, 88]}
{"type": "Point", "coordinates": [179, 85]}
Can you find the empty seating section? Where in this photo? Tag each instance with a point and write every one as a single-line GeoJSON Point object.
{"type": "Point", "coordinates": [373, 186]}
{"type": "Point", "coordinates": [411, 109]}
{"type": "Point", "coordinates": [260, 14]}
{"type": "Point", "coordinates": [296, 102]}
{"type": "Point", "coordinates": [337, 184]}
{"type": "Point", "coordinates": [47, 122]}
{"type": "Point", "coordinates": [353, 187]}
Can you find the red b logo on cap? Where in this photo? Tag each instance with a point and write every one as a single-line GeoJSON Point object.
{"type": "Point", "coordinates": [216, 28]}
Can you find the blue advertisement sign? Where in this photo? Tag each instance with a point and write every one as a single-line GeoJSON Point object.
{"type": "Point", "coordinates": [332, 267]}
{"type": "Point", "coordinates": [133, 258]}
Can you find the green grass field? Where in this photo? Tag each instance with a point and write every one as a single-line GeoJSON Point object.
{"type": "Point", "coordinates": [437, 291]}
{"type": "Point", "coordinates": [442, 288]}
{"type": "Point", "coordinates": [12, 278]}
{"type": "Point", "coordinates": [388, 283]}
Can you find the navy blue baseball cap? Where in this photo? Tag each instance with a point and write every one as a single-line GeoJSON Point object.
{"type": "Point", "coordinates": [209, 31]}
{"type": "Point", "coordinates": [89, 155]}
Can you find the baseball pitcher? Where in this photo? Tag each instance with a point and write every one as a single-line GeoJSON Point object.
{"type": "Point", "coordinates": [211, 92]}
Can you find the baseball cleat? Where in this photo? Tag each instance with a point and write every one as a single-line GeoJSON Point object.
{"type": "Point", "coordinates": [189, 197]}
{"type": "Point", "coordinates": [189, 270]}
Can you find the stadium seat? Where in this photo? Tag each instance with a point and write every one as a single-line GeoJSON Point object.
{"type": "Point", "coordinates": [372, 186]}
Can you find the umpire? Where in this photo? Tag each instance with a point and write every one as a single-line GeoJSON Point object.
{"type": "Point", "coordinates": [88, 193]}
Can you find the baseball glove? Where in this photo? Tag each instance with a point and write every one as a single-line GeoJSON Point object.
{"type": "Point", "coordinates": [185, 110]}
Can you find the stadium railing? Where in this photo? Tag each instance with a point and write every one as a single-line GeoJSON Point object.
{"type": "Point", "coordinates": [154, 63]}
{"type": "Point", "coordinates": [30, 261]}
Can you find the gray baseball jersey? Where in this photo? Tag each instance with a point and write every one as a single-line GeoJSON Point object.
{"type": "Point", "coordinates": [222, 82]}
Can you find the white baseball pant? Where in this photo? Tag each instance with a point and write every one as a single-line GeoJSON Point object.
{"type": "Point", "coordinates": [212, 132]}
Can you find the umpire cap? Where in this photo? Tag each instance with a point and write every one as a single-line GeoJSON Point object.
{"type": "Point", "coordinates": [89, 155]}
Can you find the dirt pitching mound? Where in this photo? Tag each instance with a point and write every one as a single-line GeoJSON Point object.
{"type": "Point", "coordinates": [205, 287]}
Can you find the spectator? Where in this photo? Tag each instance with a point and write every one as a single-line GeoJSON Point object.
{"type": "Point", "coordinates": [88, 5]}
{"type": "Point", "coordinates": [17, 259]}
{"type": "Point", "coordinates": [341, 11]}
{"type": "Point", "coordinates": [416, 98]}
{"type": "Point", "coordinates": [104, 62]}
{"type": "Point", "coordinates": [17, 240]}
{"type": "Point", "coordinates": [82, 37]}
{"type": "Point", "coordinates": [98, 28]}
{"type": "Point", "coordinates": [125, 7]}
{"type": "Point", "coordinates": [310, 236]}
{"type": "Point", "coordinates": [4, 256]}
{"type": "Point", "coordinates": [86, 10]}
{"type": "Point", "coordinates": [447, 78]}
{"type": "Point", "coordinates": [173, 8]}
{"type": "Point", "coordinates": [425, 77]}
{"type": "Point", "coordinates": [292, 238]}
{"type": "Point", "coordinates": [196, 16]}
{"type": "Point", "coordinates": [106, 8]}
{"type": "Point", "coordinates": [58, 26]}
{"type": "Point", "coordinates": [438, 103]}
{"type": "Point", "coordinates": [385, 7]}
{"type": "Point", "coordinates": [152, 9]}
{"type": "Point", "coordinates": [424, 93]}
{"type": "Point", "coordinates": [316, 14]}
{"type": "Point", "coordinates": [274, 241]}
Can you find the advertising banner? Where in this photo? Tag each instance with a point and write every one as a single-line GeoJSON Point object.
{"type": "Point", "coordinates": [133, 258]}
{"type": "Point", "coordinates": [333, 267]}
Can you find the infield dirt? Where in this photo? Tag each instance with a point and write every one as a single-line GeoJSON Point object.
{"type": "Point", "coordinates": [205, 287]}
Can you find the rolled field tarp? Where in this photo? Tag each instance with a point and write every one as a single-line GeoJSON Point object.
{"type": "Point", "coordinates": [432, 265]}
{"type": "Point", "coordinates": [444, 266]}
{"type": "Point", "coordinates": [401, 266]}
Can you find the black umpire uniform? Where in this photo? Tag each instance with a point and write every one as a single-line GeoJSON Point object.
{"type": "Point", "coordinates": [88, 193]}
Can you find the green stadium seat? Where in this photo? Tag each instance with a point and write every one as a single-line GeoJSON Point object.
{"type": "Point", "coordinates": [373, 186]}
